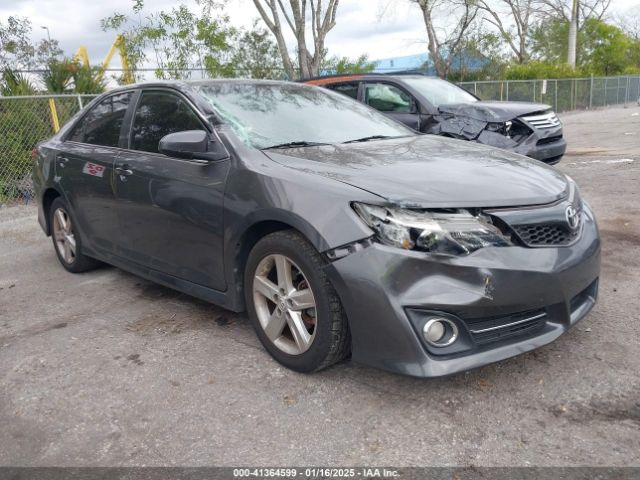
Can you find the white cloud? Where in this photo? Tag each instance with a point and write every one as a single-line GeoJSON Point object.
{"type": "Point", "coordinates": [361, 26]}
{"type": "Point", "coordinates": [379, 28]}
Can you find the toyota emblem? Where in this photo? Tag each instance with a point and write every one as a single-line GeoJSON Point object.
{"type": "Point", "coordinates": [573, 217]}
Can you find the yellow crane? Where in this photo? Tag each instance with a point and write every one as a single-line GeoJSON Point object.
{"type": "Point", "coordinates": [119, 46]}
{"type": "Point", "coordinates": [83, 56]}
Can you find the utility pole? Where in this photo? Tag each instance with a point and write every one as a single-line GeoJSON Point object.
{"type": "Point", "coordinates": [573, 34]}
{"type": "Point", "coordinates": [48, 34]}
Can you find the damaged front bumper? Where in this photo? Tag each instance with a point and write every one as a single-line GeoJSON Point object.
{"type": "Point", "coordinates": [544, 144]}
{"type": "Point", "coordinates": [504, 300]}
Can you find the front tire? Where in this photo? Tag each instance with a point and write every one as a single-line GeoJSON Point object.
{"type": "Point", "coordinates": [295, 310]}
{"type": "Point", "coordinates": [66, 240]}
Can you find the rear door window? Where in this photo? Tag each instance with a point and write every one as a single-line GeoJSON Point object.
{"type": "Point", "coordinates": [348, 89]}
{"type": "Point", "coordinates": [388, 98]}
{"type": "Point", "coordinates": [102, 125]}
{"type": "Point", "coordinates": [159, 114]}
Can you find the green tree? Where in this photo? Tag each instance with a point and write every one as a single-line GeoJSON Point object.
{"type": "Point", "coordinates": [309, 22]}
{"type": "Point", "coordinates": [14, 83]}
{"type": "Point", "coordinates": [482, 56]}
{"type": "Point", "coordinates": [549, 41]}
{"type": "Point", "coordinates": [130, 27]}
{"type": "Point", "coordinates": [602, 49]}
{"type": "Point", "coordinates": [58, 75]}
{"type": "Point", "coordinates": [178, 39]}
{"type": "Point", "coordinates": [341, 65]}
{"type": "Point", "coordinates": [88, 80]}
{"type": "Point", "coordinates": [256, 55]}
{"type": "Point", "coordinates": [18, 52]}
{"type": "Point", "coordinates": [606, 48]}
{"type": "Point", "coordinates": [16, 49]}
{"type": "Point", "coordinates": [69, 76]}
{"type": "Point", "coordinates": [445, 44]}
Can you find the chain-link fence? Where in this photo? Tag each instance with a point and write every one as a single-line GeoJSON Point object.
{"type": "Point", "coordinates": [24, 121]}
{"type": "Point", "coordinates": [564, 94]}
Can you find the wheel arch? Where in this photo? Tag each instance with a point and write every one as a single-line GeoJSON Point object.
{"type": "Point", "coordinates": [257, 227]}
{"type": "Point", "coordinates": [48, 196]}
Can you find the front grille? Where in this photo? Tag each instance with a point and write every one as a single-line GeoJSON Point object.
{"type": "Point", "coordinates": [545, 120]}
{"type": "Point", "coordinates": [500, 328]}
{"type": "Point", "coordinates": [541, 234]}
{"type": "Point", "coordinates": [552, 225]}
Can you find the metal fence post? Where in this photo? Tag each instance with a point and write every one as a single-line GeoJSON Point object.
{"type": "Point", "coordinates": [475, 88]}
{"type": "Point", "coordinates": [507, 90]}
{"type": "Point", "coordinates": [534, 91]}
{"type": "Point", "coordinates": [626, 92]}
{"type": "Point", "coordinates": [591, 93]}
{"type": "Point", "coordinates": [80, 102]}
{"type": "Point", "coordinates": [573, 85]}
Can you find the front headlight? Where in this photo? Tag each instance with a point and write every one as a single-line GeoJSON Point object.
{"type": "Point", "coordinates": [449, 232]}
{"type": "Point", "coordinates": [503, 128]}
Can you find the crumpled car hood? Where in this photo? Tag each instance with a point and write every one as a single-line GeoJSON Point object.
{"type": "Point", "coordinates": [492, 111]}
{"type": "Point", "coordinates": [431, 171]}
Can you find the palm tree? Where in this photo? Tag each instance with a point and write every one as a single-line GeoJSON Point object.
{"type": "Point", "coordinates": [58, 75]}
{"type": "Point", "coordinates": [15, 83]}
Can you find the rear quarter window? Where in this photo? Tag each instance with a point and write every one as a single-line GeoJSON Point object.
{"type": "Point", "coordinates": [102, 125]}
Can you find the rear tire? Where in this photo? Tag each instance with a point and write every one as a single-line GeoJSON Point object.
{"type": "Point", "coordinates": [66, 240]}
{"type": "Point", "coordinates": [295, 310]}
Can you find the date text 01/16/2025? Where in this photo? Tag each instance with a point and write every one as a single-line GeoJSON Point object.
{"type": "Point", "coordinates": [315, 472]}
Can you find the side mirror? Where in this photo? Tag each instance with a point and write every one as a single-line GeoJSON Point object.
{"type": "Point", "coordinates": [192, 145]}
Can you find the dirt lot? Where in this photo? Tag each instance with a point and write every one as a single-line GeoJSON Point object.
{"type": "Point", "coordinates": [107, 369]}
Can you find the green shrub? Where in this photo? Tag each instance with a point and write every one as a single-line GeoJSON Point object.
{"type": "Point", "coordinates": [542, 70]}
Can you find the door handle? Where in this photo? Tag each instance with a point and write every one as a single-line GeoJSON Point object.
{"type": "Point", "coordinates": [62, 161]}
{"type": "Point", "coordinates": [123, 170]}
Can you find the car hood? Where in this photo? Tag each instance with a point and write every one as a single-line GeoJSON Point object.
{"type": "Point", "coordinates": [493, 111]}
{"type": "Point", "coordinates": [432, 171]}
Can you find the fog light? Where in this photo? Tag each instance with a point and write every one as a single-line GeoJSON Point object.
{"type": "Point", "coordinates": [440, 332]}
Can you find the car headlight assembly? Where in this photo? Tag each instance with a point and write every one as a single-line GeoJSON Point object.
{"type": "Point", "coordinates": [504, 128]}
{"type": "Point", "coordinates": [449, 232]}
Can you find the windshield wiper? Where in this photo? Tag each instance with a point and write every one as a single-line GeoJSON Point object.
{"type": "Point", "coordinates": [301, 143]}
{"type": "Point", "coordinates": [366, 139]}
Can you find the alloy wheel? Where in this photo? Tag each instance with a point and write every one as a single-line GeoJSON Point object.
{"type": "Point", "coordinates": [63, 235]}
{"type": "Point", "coordinates": [285, 304]}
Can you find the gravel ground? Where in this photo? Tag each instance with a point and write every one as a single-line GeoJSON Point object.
{"type": "Point", "coordinates": [108, 369]}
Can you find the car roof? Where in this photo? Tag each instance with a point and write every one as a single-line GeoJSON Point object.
{"type": "Point", "coordinates": [350, 77]}
{"type": "Point", "coordinates": [186, 87]}
{"type": "Point", "coordinates": [187, 84]}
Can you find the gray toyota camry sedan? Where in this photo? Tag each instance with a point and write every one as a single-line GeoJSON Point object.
{"type": "Point", "coordinates": [340, 232]}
